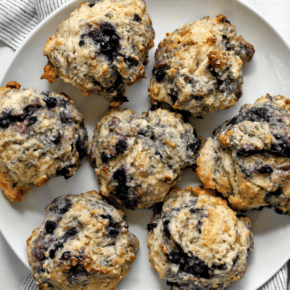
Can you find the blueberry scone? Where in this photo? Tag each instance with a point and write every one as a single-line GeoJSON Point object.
{"type": "Point", "coordinates": [197, 242]}
{"type": "Point", "coordinates": [138, 159]}
{"type": "Point", "coordinates": [101, 47]}
{"type": "Point", "coordinates": [198, 67]}
{"type": "Point", "coordinates": [41, 135]}
{"type": "Point", "coordinates": [83, 243]}
{"type": "Point", "coordinates": [248, 159]}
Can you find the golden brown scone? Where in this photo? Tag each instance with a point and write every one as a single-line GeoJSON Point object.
{"type": "Point", "coordinates": [139, 158]}
{"type": "Point", "coordinates": [198, 67]}
{"type": "Point", "coordinates": [83, 243]}
{"type": "Point", "coordinates": [101, 48]}
{"type": "Point", "coordinates": [197, 242]}
{"type": "Point", "coordinates": [248, 159]}
{"type": "Point", "coordinates": [41, 135]}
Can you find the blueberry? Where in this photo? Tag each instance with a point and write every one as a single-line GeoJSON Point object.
{"type": "Point", "coordinates": [258, 115]}
{"type": "Point", "coordinates": [31, 121]}
{"type": "Point", "coordinates": [50, 102]}
{"type": "Point", "coordinates": [174, 257]}
{"type": "Point", "coordinates": [166, 228]}
{"type": "Point", "coordinates": [112, 230]}
{"type": "Point", "coordinates": [56, 140]}
{"type": "Point", "coordinates": [246, 153]}
{"type": "Point", "coordinates": [121, 146]}
{"type": "Point", "coordinates": [64, 118]}
{"type": "Point", "coordinates": [227, 21]}
{"type": "Point", "coordinates": [131, 62]}
{"type": "Point", "coordinates": [5, 119]}
{"type": "Point", "coordinates": [70, 233]}
{"type": "Point", "coordinates": [264, 169]}
{"type": "Point", "coordinates": [65, 171]}
{"type": "Point", "coordinates": [221, 267]}
{"type": "Point", "coordinates": [104, 157]}
{"type": "Point", "coordinates": [212, 71]}
{"type": "Point", "coordinates": [160, 74]}
{"type": "Point", "coordinates": [157, 153]}
{"type": "Point", "coordinates": [151, 227]}
{"type": "Point", "coordinates": [224, 36]}
{"type": "Point", "coordinates": [50, 226]}
{"type": "Point", "coordinates": [66, 255]}
{"type": "Point", "coordinates": [92, 5]}
{"type": "Point", "coordinates": [227, 46]}
{"type": "Point", "coordinates": [194, 147]}
{"type": "Point", "coordinates": [137, 18]}
{"type": "Point", "coordinates": [78, 273]}
{"type": "Point", "coordinates": [52, 254]}
{"type": "Point", "coordinates": [81, 43]}
{"type": "Point", "coordinates": [122, 190]}
{"type": "Point", "coordinates": [173, 95]}
{"type": "Point", "coordinates": [81, 148]}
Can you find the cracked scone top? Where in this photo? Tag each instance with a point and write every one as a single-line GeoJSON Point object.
{"type": "Point", "coordinates": [101, 47]}
{"type": "Point", "coordinates": [248, 159]}
{"type": "Point", "coordinates": [139, 158]}
{"type": "Point", "coordinates": [41, 135]}
{"type": "Point", "coordinates": [83, 243]}
{"type": "Point", "coordinates": [198, 67]}
{"type": "Point", "coordinates": [196, 241]}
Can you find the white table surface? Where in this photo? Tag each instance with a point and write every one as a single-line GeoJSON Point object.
{"type": "Point", "coordinates": [12, 271]}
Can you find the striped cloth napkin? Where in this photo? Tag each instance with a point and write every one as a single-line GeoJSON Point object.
{"type": "Point", "coordinates": [17, 19]}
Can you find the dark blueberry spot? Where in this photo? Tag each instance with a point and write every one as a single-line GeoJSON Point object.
{"type": "Point", "coordinates": [235, 260]}
{"type": "Point", "coordinates": [132, 62]}
{"type": "Point", "coordinates": [92, 5]}
{"type": "Point", "coordinates": [235, 120]}
{"type": "Point", "coordinates": [199, 226]}
{"type": "Point", "coordinates": [137, 18]}
{"type": "Point", "coordinates": [52, 254]}
{"type": "Point", "coordinates": [81, 43]}
{"type": "Point", "coordinates": [105, 157]}
{"type": "Point", "coordinates": [70, 233]}
{"type": "Point", "coordinates": [62, 208]}
{"type": "Point", "coordinates": [194, 147]}
{"type": "Point", "coordinates": [5, 119]}
{"type": "Point", "coordinates": [65, 256]}
{"type": "Point", "coordinates": [220, 82]}
{"type": "Point", "coordinates": [63, 102]}
{"type": "Point", "coordinates": [173, 95]}
{"type": "Point", "coordinates": [157, 153]}
{"type": "Point", "coordinates": [108, 29]}
{"type": "Point", "coordinates": [258, 115]}
{"type": "Point", "coordinates": [158, 208]}
{"type": "Point", "coordinates": [192, 210]}
{"type": "Point", "coordinates": [151, 227]}
{"type": "Point", "coordinates": [221, 267]}
{"type": "Point", "coordinates": [81, 148]}
{"type": "Point", "coordinates": [160, 74]}
{"type": "Point", "coordinates": [50, 102]}
{"type": "Point", "coordinates": [56, 140]}
{"type": "Point", "coordinates": [227, 21]}
{"type": "Point", "coordinates": [112, 230]}
{"type": "Point", "coordinates": [212, 71]}
{"type": "Point", "coordinates": [31, 121]}
{"type": "Point", "coordinates": [30, 110]}
{"type": "Point", "coordinates": [174, 257]}
{"type": "Point", "coordinates": [265, 169]}
{"type": "Point", "coordinates": [227, 46]}
{"type": "Point", "coordinates": [166, 228]}
{"type": "Point", "coordinates": [65, 171]}
{"type": "Point", "coordinates": [78, 273]}
{"type": "Point", "coordinates": [122, 190]}
{"type": "Point", "coordinates": [64, 118]}
{"type": "Point", "coordinates": [121, 146]}
{"type": "Point", "coordinates": [224, 36]}
{"type": "Point", "coordinates": [246, 153]}
{"type": "Point", "coordinates": [272, 195]}
{"type": "Point", "coordinates": [279, 211]}
{"type": "Point", "coordinates": [280, 149]}
{"type": "Point", "coordinates": [50, 226]}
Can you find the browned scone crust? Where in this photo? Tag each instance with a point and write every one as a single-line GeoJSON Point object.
{"type": "Point", "coordinates": [197, 242]}
{"type": "Point", "coordinates": [83, 244]}
{"type": "Point", "coordinates": [101, 48]}
{"type": "Point", "coordinates": [138, 159]}
{"type": "Point", "coordinates": [198, 67]}
{"type": "Point", "coordinates": [248, 159]}
{"type": "Point", "coordinates": [41, 135]}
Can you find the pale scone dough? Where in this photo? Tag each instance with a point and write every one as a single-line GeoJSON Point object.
{"type": "Point", "coordinates": [101, 47]}
{"type": "Point", "coordinates": [198, 67]}
{"type": "Point", "coordinates": [197, 242]}
{"type": "Point", "coordinates": [139, 158]}
{"type": "Point", "coordinates": [42, 134]}
{"type": "Point", "coordinates": [248, 159]}
{"type": "Point", "coordinates": [83, 244]}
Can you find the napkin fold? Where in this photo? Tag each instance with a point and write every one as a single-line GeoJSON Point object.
{"type": "Point", "coordinates": [17, 19]}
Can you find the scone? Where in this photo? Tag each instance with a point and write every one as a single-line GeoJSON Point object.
{"type": "Point", "coordinates": [41, 135]}
{"type": "Point", "coordinates": [198, 67]}
{"type": "Point", "coordinates": [197, 242]}
{"type": "Point", "coordinates": [83, 243]}
{"type": "Point", "coordinates": [138, 159]}
{"type": "Point", "coordinates": [248, 158]}
{"type": "Point", "coordinates": [101, 48]}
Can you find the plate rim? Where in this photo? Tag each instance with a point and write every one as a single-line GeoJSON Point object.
{"type": "Point", "coordinates": [71, 3]}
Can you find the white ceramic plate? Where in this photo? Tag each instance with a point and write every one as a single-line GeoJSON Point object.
{"type": "Point", "coordinates": [267, 73]}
